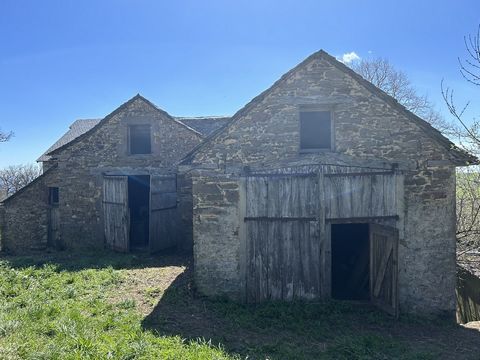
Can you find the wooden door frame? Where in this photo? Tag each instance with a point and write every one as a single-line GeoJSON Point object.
{"type": "Point", "coordinates": [328, 244]}
{"type": "Point", "coordinates": [328, 249]}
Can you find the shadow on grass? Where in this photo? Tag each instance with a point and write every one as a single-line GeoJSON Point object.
{"type": "Point", "coordinates": [305, 330]}
{"type": "Point", "coordinates": [81, 260]}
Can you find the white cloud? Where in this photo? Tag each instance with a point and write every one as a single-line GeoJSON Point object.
{"type": "Point", "coordinates": [347, 58]}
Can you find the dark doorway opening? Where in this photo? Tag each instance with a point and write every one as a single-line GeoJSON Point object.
{"type": "Point", "coordinates": [139, 204]}
{"type": "Point", "coordinates": [350, 261]}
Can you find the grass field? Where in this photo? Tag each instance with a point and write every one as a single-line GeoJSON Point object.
{"type": "Point", "coordinates": [113, 306]}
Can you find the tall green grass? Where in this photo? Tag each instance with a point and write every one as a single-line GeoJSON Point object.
{"type": "Point", "coordinates": [49, 313]}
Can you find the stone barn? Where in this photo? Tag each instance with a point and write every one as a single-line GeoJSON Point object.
{"type": "Point", "coordinates": [323, 186]}
{"type": "Point", "coordinates": [110, 181]}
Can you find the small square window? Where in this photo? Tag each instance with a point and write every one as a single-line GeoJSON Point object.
{"type": "Point", "coordinates": [53, 196]}
{"type": "Point", "coordinates": [139, 139]}
{"type": "Point", "coordinates": [315, 130]}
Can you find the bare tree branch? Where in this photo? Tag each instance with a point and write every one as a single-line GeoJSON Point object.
{"type": "Point", "coordinates": [5, 136]}
{"type": "Point", "coordinates": [15, 177]}
{"type": "Point", "coordinates": [469, 68]}
{"type": "Point", "coordinates": [396, 84]}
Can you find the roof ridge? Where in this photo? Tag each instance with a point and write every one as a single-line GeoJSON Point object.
{"type": "Point", "coordinates": [434, 133]}
{"type": "Point", "coordinates": [116, 111]}
{"type": "Point", "coordinates": [250, 104]}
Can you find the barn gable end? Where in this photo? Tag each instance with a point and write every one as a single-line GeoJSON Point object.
{"type": "Point", "coordinates": [267, 128]}
{"type": "Point", "coordinates": [81, 169]}
{"type": "Point", "coordinates": [385, 167]}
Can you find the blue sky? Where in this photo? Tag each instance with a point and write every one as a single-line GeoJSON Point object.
{"type": "Point", "coordinates": [63, 60]}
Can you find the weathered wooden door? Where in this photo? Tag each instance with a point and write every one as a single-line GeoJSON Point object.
{"type": "Point", "coordinates": [116, 212]}
{"type": "Point", "coordinates": [360, 195]}
{"type": "Point", "coordinates": [282, 238]}
{"type": "Point", "coordinates": [163, 212]}
{"type": "Point", "coordinates": [53, 225]}
{"type": "Point", "coordinates": [384, 268]}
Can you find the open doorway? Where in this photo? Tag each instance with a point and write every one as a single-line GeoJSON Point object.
{"type": "Point", "coordinates": [350, 261]}
{"type": "Point", "coordinates": [139, 207]}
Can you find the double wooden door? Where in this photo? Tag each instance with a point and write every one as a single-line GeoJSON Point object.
{"type": "Point", "coordinates": [163, 215]}
{"type": "Point", "coordinates": [287, 241]}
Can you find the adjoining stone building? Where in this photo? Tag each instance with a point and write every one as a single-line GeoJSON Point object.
{"type": "Point", "coordinates": [110, 181]}
{"type": "Point", "coordinates": [323, 186]}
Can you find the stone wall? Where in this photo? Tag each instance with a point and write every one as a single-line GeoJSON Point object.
{"type": "Point", "coordinates": [106, 150]}
{"type": "Point", "coordinates": [427, 256]}
{"type": "Point", "coordinates": [185, 209]}
{"type": "Point", "coordinates": [23, 224]}
{"type": "Point", "coordinates": [366, 128]}
{"type": "Point", "coordinates": [216, 236]}
{"type": "Point", "coordinates": [81, 165]}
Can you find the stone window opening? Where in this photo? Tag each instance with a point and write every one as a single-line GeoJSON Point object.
{"type": "Point", "coordinates": [53, 196]}
{"type": "Point", "coordinates": [316, 131]}
{"type": "Point", "coordinates": [139, 139]}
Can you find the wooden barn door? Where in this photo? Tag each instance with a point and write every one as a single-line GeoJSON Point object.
{"type": "Point", "coordinates": [384, 268]}
{"type": "Point", "coordinates": [163, 212]}
{"type": "Point", "coordinates": [282, 238]}
{"type": "Point", "coordinates": [116, 212]}
{"type": "Point", "coordinates": [53, 225]}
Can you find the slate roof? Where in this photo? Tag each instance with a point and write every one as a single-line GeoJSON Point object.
{"type": "Point", "coordinates": [204, 125]}
{"type": "Point", "coordinates": [79, 127]}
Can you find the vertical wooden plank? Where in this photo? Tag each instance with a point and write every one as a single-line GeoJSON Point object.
{"type": "Point", "coordinates": [116, 212]}
{"type": "Point", "coordinates": [323, 196]}
{"type": "Point", "coordinates": [298, 236]}
{"type": "Point", "coordinates": [314, 267]}
{"type": "Point", "coordinates": [256, 188]}
{"type": "Point", "coordinates": [242, 236]}
{"type": "Point", "coordinates": [302, 242]}
{"type": "Point", "coordinates": [53, 226]}
{"type": "Point", "coordinates": [377, 194]}
{"type": "Point", "coordinates": [327, 284]}
{"type": "Point", "coordinates": [273, 199]}
{"type": "Point", "coordinates": [390, 186]}
{"type": "Point", "coordinates": [288, 265]}
{"type": "Point", "coordinates": [250, 277]}
{"type": "Point", "coordinates": [276, 260]}
{"type": "Point", "coordinates": [383, 267]}
{"type": "Point", "coordinates": [364, 197]}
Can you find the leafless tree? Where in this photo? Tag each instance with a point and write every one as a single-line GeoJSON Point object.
{"type": "Point", "coordinates": [381, 73]}
{"type": "Point", "coordinates": [467, 135]}
{"type": "Point", "coordinates": [5, 136]}
{"type": "Point", "coordinates": [15, 177]}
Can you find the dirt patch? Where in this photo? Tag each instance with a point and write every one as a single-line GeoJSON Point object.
{"type": "Point", "coordinates": [146, 286]}
{"type": "Point", "coordinates": [305, 331]}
